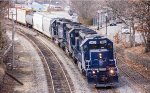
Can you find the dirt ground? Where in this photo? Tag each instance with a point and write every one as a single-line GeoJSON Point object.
{"type": "Point", "coordinates": [28, 69]}
{"type": "Point", "coordinates": [6, 83]}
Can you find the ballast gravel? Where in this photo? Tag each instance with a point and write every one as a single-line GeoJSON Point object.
{"type": "Point", "coordinates": [29, 68]}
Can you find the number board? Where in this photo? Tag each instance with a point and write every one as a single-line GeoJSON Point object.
{"type": "Point", "coordinates": [92, 42]}
{"type": "Point", "coordinates": [102, 69]}
{"type": "Point", "coordinates": [103, 42]}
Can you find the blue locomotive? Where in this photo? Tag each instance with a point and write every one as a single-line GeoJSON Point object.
{"type": "Point", "coordinates": [91, 52]}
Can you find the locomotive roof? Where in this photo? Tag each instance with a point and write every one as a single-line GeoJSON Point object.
{"type": "Point", "coordinates": [69, 23]}
{"type": "Point", "coordinates": [73, 25]}
{"type": "Point", "coordinates": [86, 32]}
{"type": "Point", "coordinates": [31, 13]}
{"type": "Point", "coordinates": [56, 14]}
{"type": "Point", "coordinates": [93, 36]}
{"type": "Point", "coordinates": [77, 28]}
{"type": "Point", "coordinates": [64, 20]}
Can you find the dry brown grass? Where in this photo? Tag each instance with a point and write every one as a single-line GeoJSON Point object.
{"type": "Point", "coordinates": [4, 4]}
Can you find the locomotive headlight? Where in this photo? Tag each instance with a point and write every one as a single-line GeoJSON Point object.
{"type": "Point", "coordinates": [100, 56]}
{"type": "Point", "coordinates": [111, 71]}
{"type": "Point", "coordinates": [94, 72]}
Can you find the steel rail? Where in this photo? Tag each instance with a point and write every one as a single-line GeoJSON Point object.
{"type": "Point", "coordinates": [45, 61]}
{"type": "Point", "coordinates": [60, 66]}
{"type": "Point", "coordinates": [132, 78]}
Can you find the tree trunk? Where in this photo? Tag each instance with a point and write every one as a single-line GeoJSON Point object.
{"type": "Point", "coordinates": [132, 36]}
{"type": "Point", "coordinates": [144, 38]}
{"type": "Point", "coordinates": [0, 36]}
{"type": "Point", "coordinates": [148, 43]}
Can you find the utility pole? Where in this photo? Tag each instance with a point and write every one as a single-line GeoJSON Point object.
{"type": "Point", "coordinates": [106, 25]}
{"type": "Point", "coordinates": [98, 21]}
{"type": "Point", "coordinates": [13, 35]}
{"type": "Point", "coordinates": [101, 19]}
{"type": "Point", "coordinates": [49, 6]}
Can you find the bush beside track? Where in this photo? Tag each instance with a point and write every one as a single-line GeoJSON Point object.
{"type": "Point", "coordinates": [134, 57]}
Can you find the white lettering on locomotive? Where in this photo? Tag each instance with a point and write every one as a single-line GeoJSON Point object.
{"type": "Point", "coordinates": [92, 42]}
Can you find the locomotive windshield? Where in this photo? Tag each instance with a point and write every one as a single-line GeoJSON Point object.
{"type": "Point", "coordinates": [97, 46]}
{"type": "Point", "coordinates": [103, 44]}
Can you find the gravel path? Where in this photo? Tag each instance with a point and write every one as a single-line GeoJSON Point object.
{"type": "Point", "coordinates": [29, 67]}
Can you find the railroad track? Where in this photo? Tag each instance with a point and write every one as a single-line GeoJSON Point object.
{"type": "Point", "coordinates": [108, 90]}
{"type": "Point", "coordinates": [133, 75]}
{"type": "Point", "coordinates": [69, 90]}
{"type": "Point", "coordinates": [36, 33]}
{"type": "Point", "coordinates": [56, 76]}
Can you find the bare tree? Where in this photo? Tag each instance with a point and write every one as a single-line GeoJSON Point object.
{"type": "Point", "coordinates": [125, 10]}
{"type": "Point", "coordinates": [143, 15]}
{"type": "Point", "coordinates": [133, 12]}
{"type": "Point", "coordinates": [85, 8]}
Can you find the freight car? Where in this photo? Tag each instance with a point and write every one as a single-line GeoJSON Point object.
{"type": "Point", "coordinates": [12, 12]}
{"type": "Point", "coordinates": [19, 15]}
{"type": "Point", "coordinates": [29, 20]}
{"type": "Point", "coordinates": [42, 20]}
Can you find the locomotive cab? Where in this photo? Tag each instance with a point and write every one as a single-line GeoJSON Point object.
{"type": "Point", "coordinates": [53, 29]}
{"type": "Point", "coordinates": [101, 67]}
{"type": "Point", "coordinates": [58, 30]}
{"type": "Point", "coordinates": [95, 58]}
{"type": "Point", "coordinates": [72, 36]}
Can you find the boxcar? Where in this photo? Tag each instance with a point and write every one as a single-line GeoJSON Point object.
{"type": "Point", "coordinates": [12, 11]}
{"type": "Point", "coordinates": [38, 21]}
{"type": "Point", "coordinates": [29, 20]}
{"type": "Point", "coordinates": [21, 15]}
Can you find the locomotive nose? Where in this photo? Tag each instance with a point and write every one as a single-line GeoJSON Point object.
{"type": "Point", "coordinates": [99, 57]}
